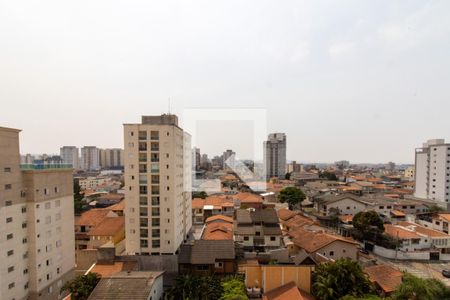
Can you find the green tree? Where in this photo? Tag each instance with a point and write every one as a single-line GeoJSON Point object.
{"type": "Point", "coordinates": [415, 288]}
{"type": "Point", "coordinates": [233, 289]}
{"type": "Point", "coordinates": [292, 196]}
{"type": "Point", "coordinates": [77, 197]}
{"type": "Point", "coordinates": [369, 225]}
{"type": "Point", "coordinates": [435, 208]}
{"type": "Point", "coordinates": [328, 175]}
{"type": "Point", "coordinates": [195, 287]}
{"type": "Point", "coordinates": [82, 286]}
{"type": "Point", "coordinates": [334, 280]}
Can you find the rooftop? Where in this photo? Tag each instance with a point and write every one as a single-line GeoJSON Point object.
{"type": "Point", "coordinates": [385, 276]}
{"type": "Point", "coordinates": [285, 292]}
{"type": "Point", "coordinates": [125, 285]}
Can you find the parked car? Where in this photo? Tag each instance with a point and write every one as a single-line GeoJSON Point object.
{"type": "Point", "coordinates": [446, 273]}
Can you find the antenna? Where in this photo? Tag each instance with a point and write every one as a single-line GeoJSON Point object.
{"type": "Point", "coordinates": [169, 104]}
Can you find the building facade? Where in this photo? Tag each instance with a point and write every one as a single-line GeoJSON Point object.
{"type": "Point", "coordinates": [37, 239]}
{"type": "Point", "coordinates": [157, 185]}
{"type": "Point", "coordinates": [275, 155]}
{"type": "Point", "coordinates": [90, 158]}
{"type": "Point", "coordinates": [432, 172]}
{"type": "Point", "coordinates": [70, 155]}
{"type": "Point", "coordinates": [111, 158]}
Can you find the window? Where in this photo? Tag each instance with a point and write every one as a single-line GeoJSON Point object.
{"type": "Point", "coordinates": [10, 269]}
{"type": "Point", "coordinates": [24, 209]}
{"type": "Point", "coordinates": [8, 203]}
{"type": "Point", "coordinates": [331, 253]}
{"type": "Point", "coordinates": [25, 271]}
{"type": "Point", "coordinates": [156, 243]}
{"type": "Point", "coordinates": [9, 220]}
{"type": "Point", "coordinates": [56, 189]}
{"type": "Point", "coordinates": [11, 285]}
{"type": "Point", "coordinates": [46, 191]}
{"type": "Point", "coordinates": [10, 252]}
{"type": "Point", "coordinates": [9, 236]}
{"type": "Point", "coordinates": [272, 238]}
{"type": "Point", "coordinates": [8, 186]}
{"type": "Point", "coordinates": [246, 238]}
{"type": "Point", "coordinates": [7, 170]}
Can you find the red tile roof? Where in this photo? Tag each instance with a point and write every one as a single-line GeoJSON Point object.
{"type": "Point", "coordinates": [285, 292]}
{"type": "Point", "coordinates": [386, 277]}
{"type": "Point", "coordinates": [109, 227]}
{"type": "Point", "coordinates": [219, 218]}
{"type": "Point", "coordinates": [92, 217]}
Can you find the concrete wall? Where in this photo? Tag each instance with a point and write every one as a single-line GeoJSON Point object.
{"type": "Point", "coordinates": [389, 253]}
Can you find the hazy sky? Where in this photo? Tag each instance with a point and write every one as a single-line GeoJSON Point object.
{"type": "Point", "coordinates": [366, 81]}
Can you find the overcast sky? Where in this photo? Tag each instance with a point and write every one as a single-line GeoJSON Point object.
{"type": "Point", "coordinates": [366, 81]}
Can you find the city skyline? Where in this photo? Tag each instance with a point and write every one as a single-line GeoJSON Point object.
{"type": "Point", "coordinates": [355, 82]}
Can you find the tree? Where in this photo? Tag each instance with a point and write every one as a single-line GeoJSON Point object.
{"type": "Point", "coordinates": [435, 208]}
{"type": "Point", "coordinates": [333, 280]}
{"type": "Point", "coordinates": [292, 196]}
{"type": "Point", "coordinates": [288, 176]}
{"type": "Point", "coordinates": [195, 287]}
{"type": "Point", "coordinates": [415, 288]}
{"type": "Point", "coordinates": [369, 225]}
{"type": "Point", "coordinates": [82, 286]}
{"type": "Point", "coordinates": [77, 197]}
{"type": "Point", "coordinates": [328, 175]}
{"type": "Point", "coordinates": [233, 289]}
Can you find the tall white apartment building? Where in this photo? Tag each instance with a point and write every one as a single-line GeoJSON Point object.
{"type": "Point", "coordinates": [37, 240]}
{"type": "Point", "coordinates": [432, 171]}
{"type": "Point", "coordinates": [275, 155]}
{"type": "Point", "coordinates": [70, 155]}
{"type": "Point", "coordinates": [90, 158]}
{"type": "Point", "coordinates": [111, 158]}
{"type": "Point", "coordinates": [158, 185]}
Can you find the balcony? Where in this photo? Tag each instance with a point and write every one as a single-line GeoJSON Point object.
{"type": "Point", "coordinates": [142, 135]}
{"type": "Point", "coordinates": [142, 146]}
{"type": "Point", "coordinates": [154, 135]}
{"type": "Point", "coordinates": [142, 157]}
{"type": "Point", "coordinates": [154, 146]}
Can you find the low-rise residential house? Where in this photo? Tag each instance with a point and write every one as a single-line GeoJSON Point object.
{"type": "Point", "coordinates": [211, 206]}
{"type": "Point", "coordinates": [411, 206]}
{"type": "Point", "coordinates": [207, 257]}
{"type": "Point", "coordinates": [326, 244]}
{"type": "Point", "coordinates": [111, 229]}
{"type": "Point", "coordinates": [257, 229]}
{"type": "Point", "coordinates": [246, 200]}
{"type": "Point", "coordinates": [438, 221]}
{"type": "Point", "coordinates": [218, 228]}
{"type": "Point", "coordinates": [414, 237]}
{"type": "Point", "coordinates": [345, 204]}
{"type": "Point", "coordinates": [385, 278]}
{"type": "Point", "coordinates": [88, 221]}
{"type": "Point", "coordinates": [134, 285]}
{"type": "Point", "coordinates": [92, 182]}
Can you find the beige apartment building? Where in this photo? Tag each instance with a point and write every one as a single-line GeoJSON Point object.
{"type": "Point", "coordinates": [111, 158]}
{"type": "Point", "coordinates": [157, 185]}
{"type": "Point", "coordinates": [36, 235]}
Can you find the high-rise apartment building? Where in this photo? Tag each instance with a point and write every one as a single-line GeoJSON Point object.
{"type": "Point", "coordinates": [70, 155]}
{"type": "Point", "coordinates": [36, 236]}
{"type": "Point", "coordinates": [158, 185]}
{"type": "Point", "coordinates": [275, 155]}
{"type": "Point", "coordinates": [111, 158]}
{"type": "Point", "coordinates": [90, 158]}
{"type": "Point", "coordinates": [433, 171]}
{"type": "Point", "coordinates": [229, 159]}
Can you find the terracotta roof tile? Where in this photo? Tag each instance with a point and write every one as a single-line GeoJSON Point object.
{"type": "Point", "coordinates": [285, 292]}
{"type": "Point", "coordinates": [110, 269]}
{"type": "Point", "coordinates": [400, 232]}
{"type": "Point", "coordinates": [385, 276]}
{"type": "Point", "coordinates": [219, 218]}
{"type": "Point", "coordinates": [109, 227]}
{"type": "Point", "coordinates": [92, 217]}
